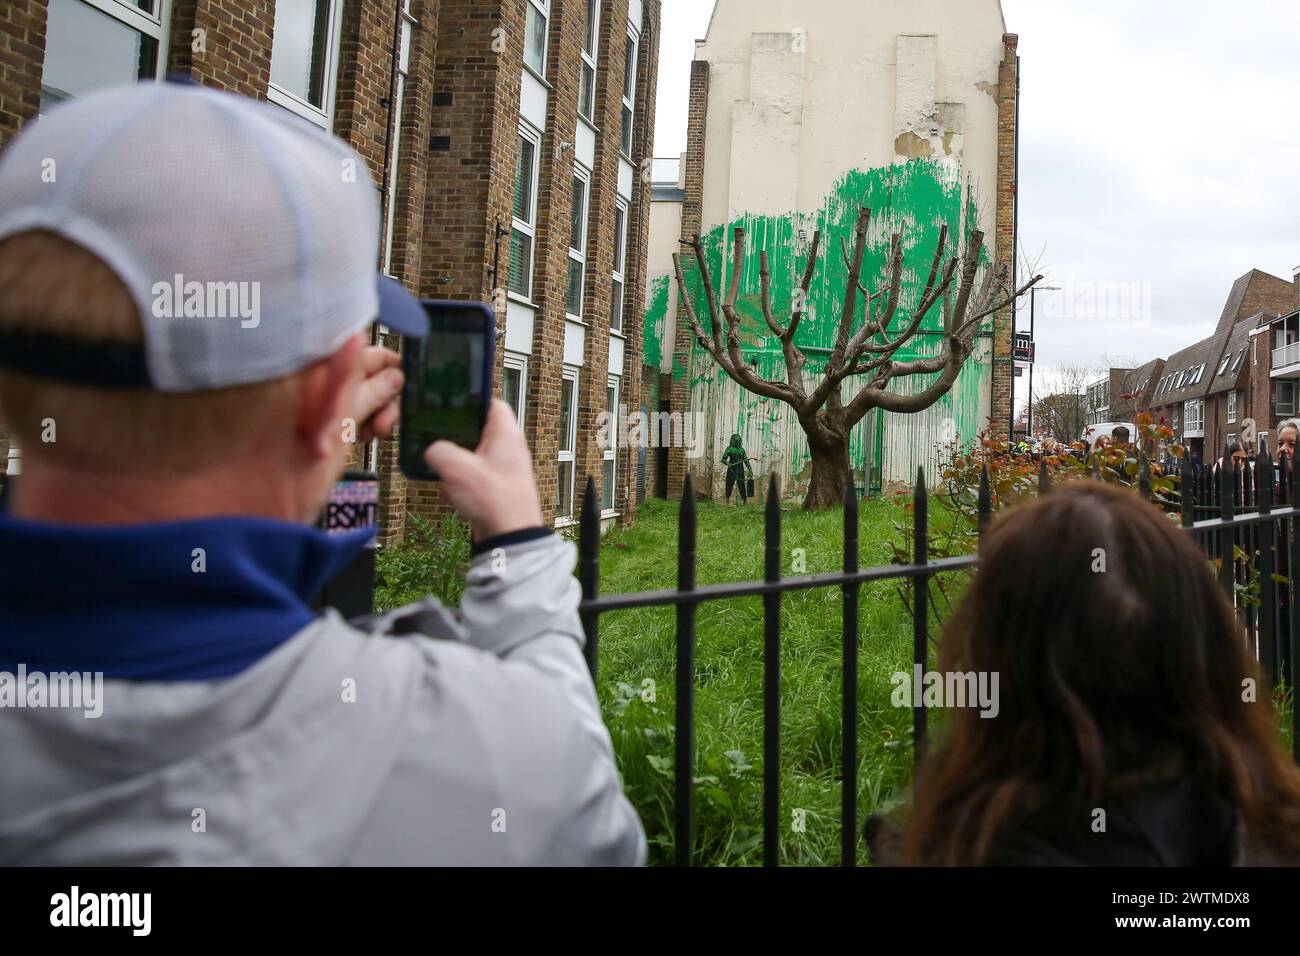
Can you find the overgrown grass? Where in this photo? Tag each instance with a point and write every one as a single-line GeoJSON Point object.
{"type": "Point", "coordinates": [636, 680]}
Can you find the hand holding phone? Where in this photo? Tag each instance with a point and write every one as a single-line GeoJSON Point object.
{"type": "Point", "coordinates": [492, 487]}
{"type": "Point", "coordinates": [448, 385]}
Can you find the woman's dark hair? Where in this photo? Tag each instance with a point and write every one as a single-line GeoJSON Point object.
{"type": "Point", "coordinates": [1120, 667]}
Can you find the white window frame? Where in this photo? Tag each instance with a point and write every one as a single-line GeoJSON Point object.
{"type": "Point", "coordinates": [1232, 407]}
{"type": "Point", "coordinates": [1277, 395]}
{"type": "Point", "coordinates": [399, 96]}
{"type": "Point", "coordinates": [529, 229]}
{"type": "Point", "coordinates": [589, 60]}
{"type": "Point", "coordinates": [569, 374]}
{"type": "Point", "coordinates": [629, 95]}
{"type": "Point", "coordinates": [1194, 417]}
{"type": "Point", "coordinates": [519, 363]}
{"type": "Point", "coordinates": [156, 27]}
{"type": "Point", "coordinates": [579, 255]}
{"type": "Point", "coordinates": [544, 8]}
{"type": "Point", "coordinates": [323, 117]}
{"type": "Point", "coordinates": [620, 264]}
{"type": "Point", "coordinates": [610, 451]}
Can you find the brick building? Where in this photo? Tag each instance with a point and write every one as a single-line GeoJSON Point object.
{"type": "Point", "coordinates": [1136, 390]}
{"type": "Point", "coordinates": [1104, 397]}
{"type": "Point", "coordinates": [1211, 390]}
{"type": "Point", "coordinates": [506, 138]}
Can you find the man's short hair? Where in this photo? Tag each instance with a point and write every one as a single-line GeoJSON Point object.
{"type": "Point", "coordinates": [1119, 433]}
{"type": "Point", "coordinates": [1289, 423]}
{"type": "Point", "coordinates": [53, 285]}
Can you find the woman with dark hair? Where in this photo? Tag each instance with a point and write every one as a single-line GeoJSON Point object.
{"type": "Point", "coordinates": [1133, 726]}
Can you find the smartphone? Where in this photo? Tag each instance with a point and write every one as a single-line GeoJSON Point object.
{"type": "Point", "coordinates": [448, 381]}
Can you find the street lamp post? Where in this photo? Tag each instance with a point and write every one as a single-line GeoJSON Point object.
{"type": "Point", "coordinates": [1029, 422]}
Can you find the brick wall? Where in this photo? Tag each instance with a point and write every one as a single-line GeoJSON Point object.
{"type": "Point", "coordinates": [22, 44]}
{"type": "Point", "coordinates": [1004, 241]}
{"type": "Point", "coordinates": [636, 374]}
{"type": "Point", "coordinates": [692, 216]}
{"type": "Point", "coordinates": [224, 44]}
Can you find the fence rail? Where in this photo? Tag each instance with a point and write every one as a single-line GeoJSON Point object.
{"type": "Point", "coordinates": [1231, 514]}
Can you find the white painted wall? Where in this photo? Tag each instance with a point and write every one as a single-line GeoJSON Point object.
{"type": "Point", "coordinates": [829, 94]}
{"type": "Point", "coordinates": [803, 92]}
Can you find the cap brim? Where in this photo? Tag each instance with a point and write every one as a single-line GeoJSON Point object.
{"type": "Point", "coordinates": [399, 310]}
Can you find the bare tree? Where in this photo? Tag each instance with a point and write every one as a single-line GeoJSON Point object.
{"type": "Point", "coordinates": [863, 351]}
{"type": "Point", "coordinates": [1062, 411]}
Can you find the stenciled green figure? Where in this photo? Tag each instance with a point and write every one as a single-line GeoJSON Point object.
{"type": "Point", "coordinates": [738, 468]}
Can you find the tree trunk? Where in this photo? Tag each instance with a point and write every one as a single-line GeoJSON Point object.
{"type": "Point", "coordinates": [829, 448]}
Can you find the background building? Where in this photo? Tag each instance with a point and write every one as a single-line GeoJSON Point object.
{"type": "Point", "coordinates": [798, 113]}
{"type": "Point", "coordinates": [507, 138]}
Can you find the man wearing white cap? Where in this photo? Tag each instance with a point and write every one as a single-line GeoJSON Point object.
{"type": "Point", "coordinates": [186, 278]}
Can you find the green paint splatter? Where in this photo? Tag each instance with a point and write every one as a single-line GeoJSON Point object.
{"type": "Point", "coordinates": [656, 316]}
{"type": "Point", "coordinates": [918, 198]}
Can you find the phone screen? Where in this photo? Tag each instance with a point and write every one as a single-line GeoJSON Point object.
{"type": "Point", "coordinates": [448, 381]}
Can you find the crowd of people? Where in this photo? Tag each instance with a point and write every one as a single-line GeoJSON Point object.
{"type": "Point", "coordinates": [177, 504]}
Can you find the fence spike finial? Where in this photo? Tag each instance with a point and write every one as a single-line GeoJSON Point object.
{"type": "Point", "coordinates": [1044, 481]}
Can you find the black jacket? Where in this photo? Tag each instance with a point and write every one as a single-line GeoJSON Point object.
{"type": "Point", "coordinates": [1177, 824]}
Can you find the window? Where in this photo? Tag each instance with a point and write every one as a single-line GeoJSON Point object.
{"type": "Point", "coordinates": [629, 91]}
{"type": "Point", "coordinates": [1194, 416]}
{"type": "Point", "coordinates": [568, 438]}
{"type": "Point", "coordinates": [91, 45]}
{"type": "Point", "coordinates": [620, 251]}
{"type": "Point", "coordinates": [1232, 407]}
{"type": "Point", "coordinates": [304, 57]}
{"type": "Point", "coordinates": [523, 233]}
{"type": "Point", "coordinates": [577, 244]}
{"type": "Point", "coordinates": [1223, 366]}
{"type": "Point", "coordinates": [587, 86]}
{"type": "Point", "coordinates": [1236, 363]}
{"type": "Point", "coordinates": [399, 93]}
{"type": "Point", "coordinates": [1232, 438]}
{"type": "Point", "coordinates": [535, 35]}
{"type": "Point", "coordinates": [514, 375]}
{"type": "Point", "coordinates": [1284, 398]}
{"type": "Point", "coordinates": [610, 463]}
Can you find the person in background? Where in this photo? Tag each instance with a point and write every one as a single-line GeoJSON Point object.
{"type": "Point", "coordinates": [1286, 439]}
{"type": "Point", "coordinates": [1121, 736]}
{"type": "Point", "coordinates": [1120, 435]}
{"type": "Point", "coordinates": [739, 470]}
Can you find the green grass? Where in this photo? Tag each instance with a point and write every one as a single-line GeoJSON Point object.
{"type": "Point", "coordinates": [637, 655]}
{"type": "Point", "coordinates": [636, 681]}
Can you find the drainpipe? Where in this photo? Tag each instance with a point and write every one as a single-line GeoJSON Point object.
{"type": "Point", "coordinates": [1015, 239]}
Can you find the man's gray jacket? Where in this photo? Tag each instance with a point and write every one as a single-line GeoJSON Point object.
{"type": "Point", "coordinates": [475, 740]}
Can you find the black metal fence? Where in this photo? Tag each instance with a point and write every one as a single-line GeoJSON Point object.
{"type": "Point", "coordinates": [1231, 513]}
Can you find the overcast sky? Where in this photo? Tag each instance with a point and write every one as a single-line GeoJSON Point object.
{"type": "Point", "coordinates": [1159, 160]}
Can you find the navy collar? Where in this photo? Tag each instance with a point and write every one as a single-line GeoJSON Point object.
{"type": "Point", "coordinates": [184, 600]}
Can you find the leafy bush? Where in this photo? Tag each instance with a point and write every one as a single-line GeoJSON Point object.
{"type": "Point", "coordinates": [435, 562]}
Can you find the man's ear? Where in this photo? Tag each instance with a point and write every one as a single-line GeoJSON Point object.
{"type": "Point", "coordinates": [328, 389]}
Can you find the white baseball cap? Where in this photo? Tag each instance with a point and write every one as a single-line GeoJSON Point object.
{"type": "Point", "coordinates": [247, 237]}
